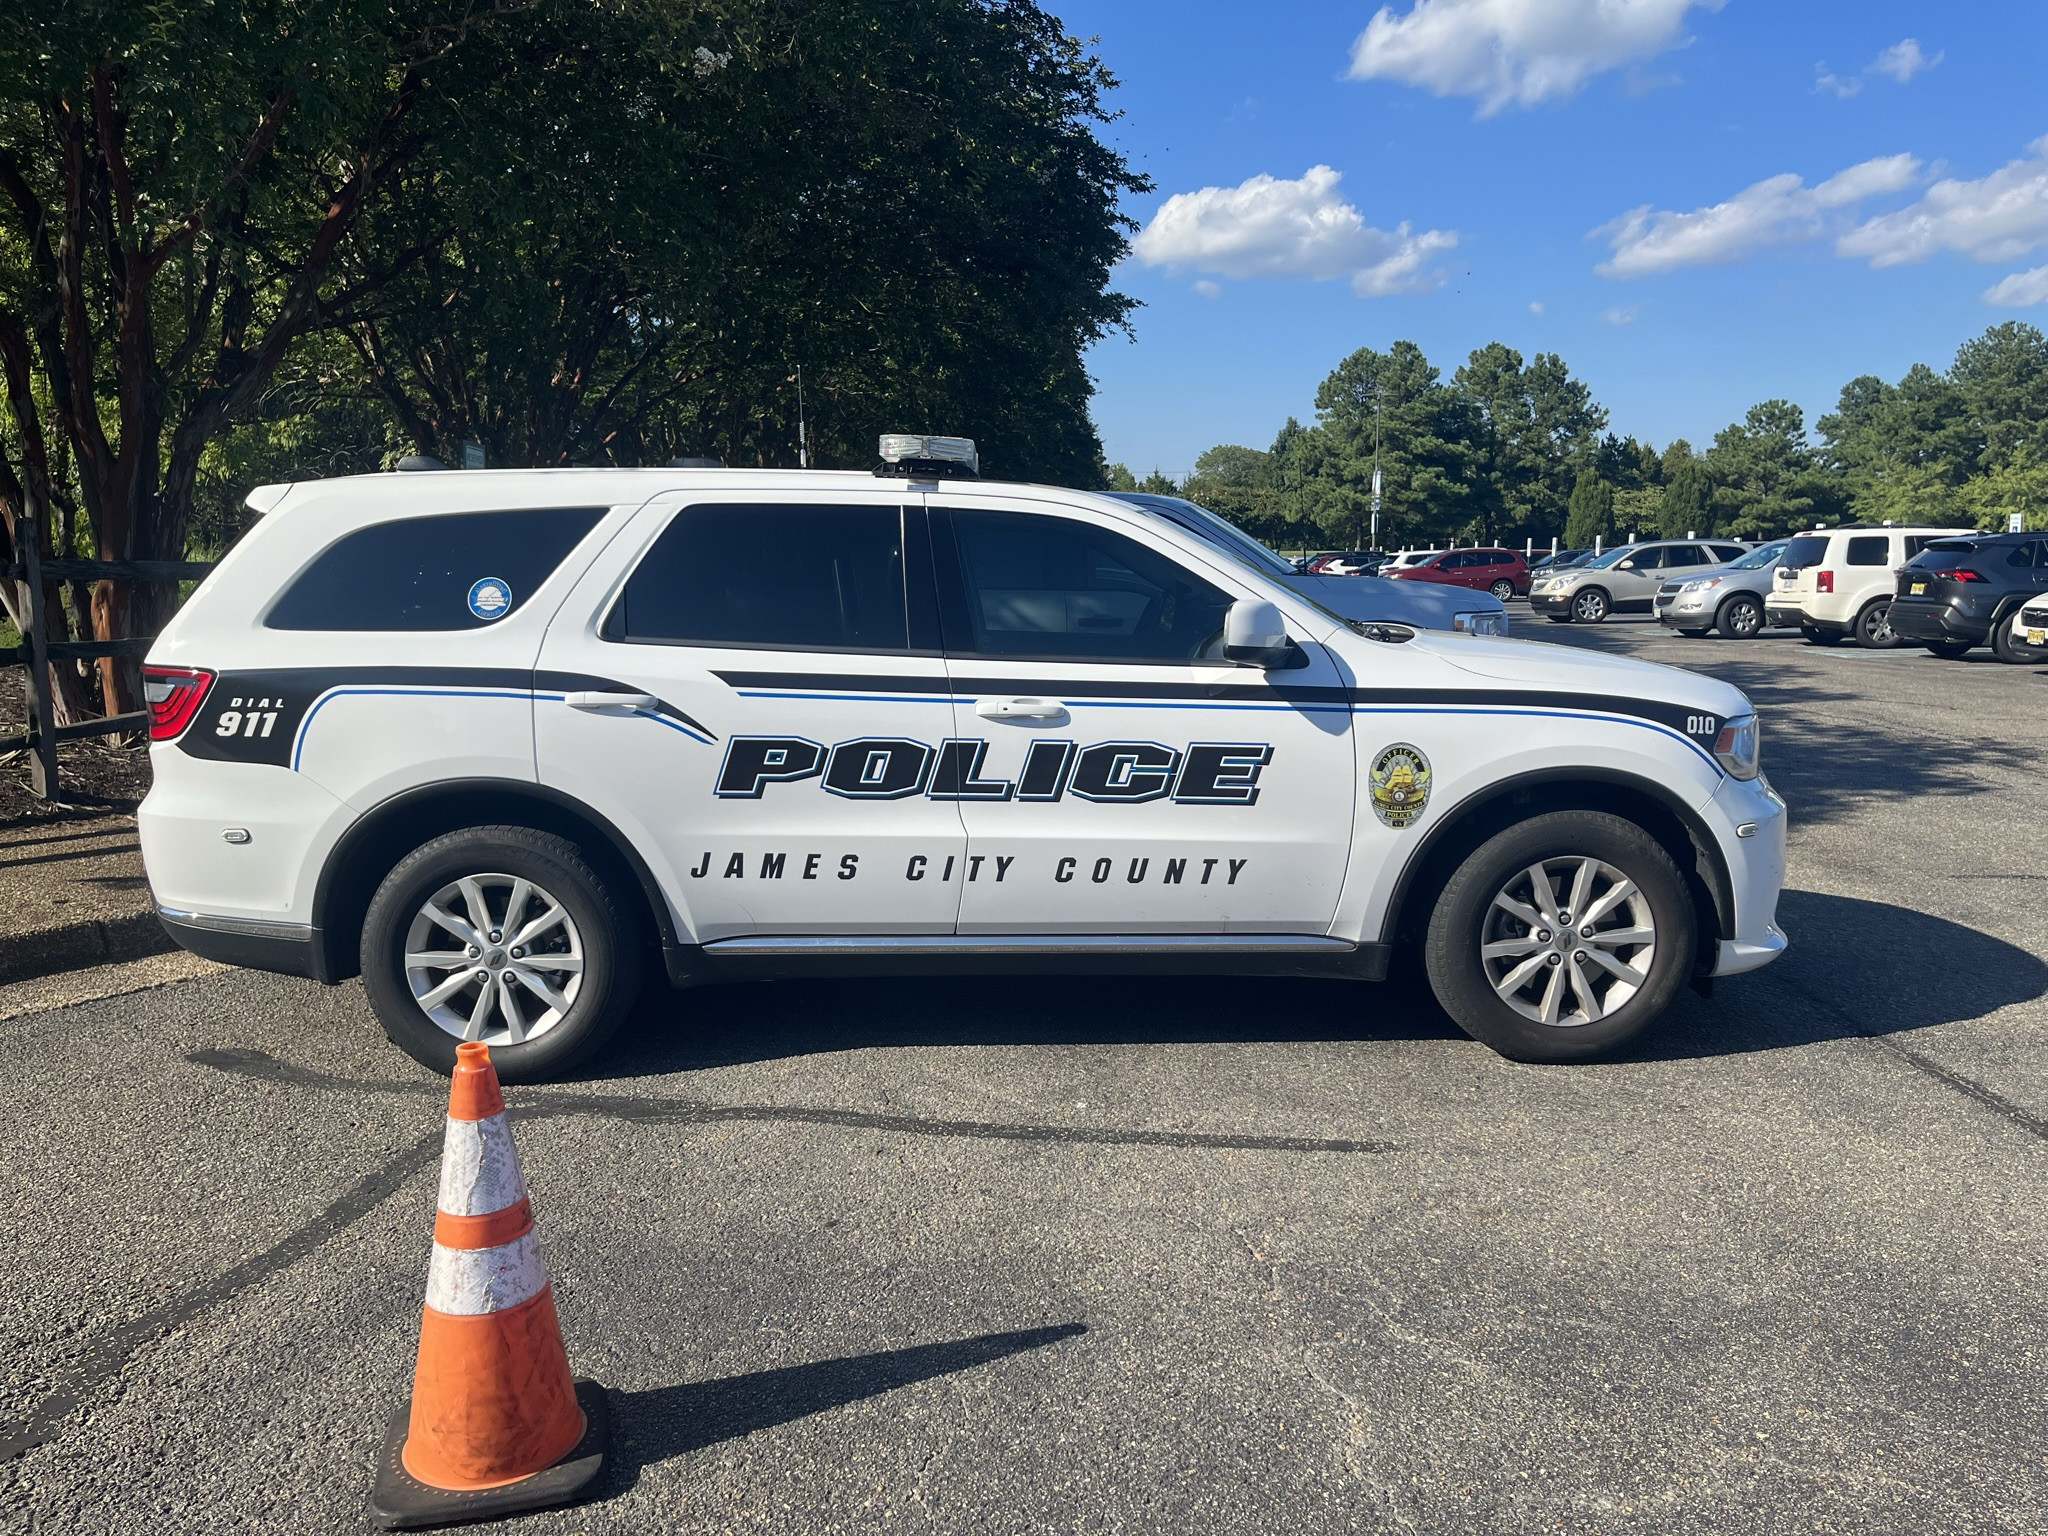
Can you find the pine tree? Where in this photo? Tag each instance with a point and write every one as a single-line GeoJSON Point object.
{"type": "Point", "coordinates": [1590, 516]}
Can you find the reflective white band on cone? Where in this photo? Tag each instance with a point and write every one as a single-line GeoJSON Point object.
{"type": "Point", "coordinates": [480, 1168]}
{"type": "Point", "coordinates": [467, 1282]}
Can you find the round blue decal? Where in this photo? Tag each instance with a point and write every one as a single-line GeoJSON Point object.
{"type": "Point", "coordinates": [490, 598]}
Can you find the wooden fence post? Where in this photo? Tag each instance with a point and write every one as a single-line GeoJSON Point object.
{"type": "Point", "coordinates": [42, 714]}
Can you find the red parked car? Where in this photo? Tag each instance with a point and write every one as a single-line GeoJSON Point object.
{"type": "Point", "coordinates": [1502, 572]}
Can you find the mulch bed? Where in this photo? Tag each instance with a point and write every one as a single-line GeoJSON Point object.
{"type": "Point", "coordinates": [100, 773]}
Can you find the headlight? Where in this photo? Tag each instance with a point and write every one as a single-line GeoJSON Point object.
{"type": "Point", "coordinates": [1480, 623]}
{"type": "Point", "coordinates": [1739, 748]}
{"type": "Point", "coordinates": [1704, 584]}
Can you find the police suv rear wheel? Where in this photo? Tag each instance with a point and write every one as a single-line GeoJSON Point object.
{"type": "Point", "coordinates": [505, 935]}
{"type": "Point", "coordinates": [1561, 938]}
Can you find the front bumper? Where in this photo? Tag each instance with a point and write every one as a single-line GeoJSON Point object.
{"type": "Point", "coordinates": [1551, 602]}
{"type": "Point", "coordinates": [1693, 612]}
{"type": "Point", "coordinates": [1749, 819]}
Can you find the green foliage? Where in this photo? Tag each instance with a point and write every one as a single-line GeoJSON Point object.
{"type": "Point", "coordinates": [1589, 516]}
{"type": "Point", "coordinates": [1767, 478]}
{"type": "Point", "coordinates": [1526, 428]}
{"type": "Point", "coordinates": [2018, 485]}
{"type": "Point", "coordinates": [1115, 477]}
{"type": "Point", "coordinates": [1686, 501]}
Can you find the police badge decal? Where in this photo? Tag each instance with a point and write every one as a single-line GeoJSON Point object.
{"type": "Point", "coordinates": [1400, 785]}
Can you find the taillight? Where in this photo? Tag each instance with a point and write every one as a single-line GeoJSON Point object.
{"type": "Point", "coordinates": [1824, 581]}
{"type": "Point", "coordinates": [174, 695]}
{"type": "Point", "coordinates": [1965, 574]}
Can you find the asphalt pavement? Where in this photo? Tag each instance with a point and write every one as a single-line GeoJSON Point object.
{"type": "Point", "coordinates": [1041, 1255]}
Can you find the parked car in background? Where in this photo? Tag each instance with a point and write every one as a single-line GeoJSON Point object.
{"type": "Point", "coordinates": [1729, 598]}
{"type": "Point", "coordinates": [1361, 602]}
{"type": "Point", "coordinates": [1626, 578]}
{"type": "Point", "coordinates": [2028, 641]}
{"type": "Point", "coordinates": [1835, 584]}
{"type": "Point", "coordinates": [1359, 562]}
{"type": "Point", "coordinates": [1407, 557]}
{"type": "Point", "coordinates": [1964, 592]}
{"type": "Point", "coordinates": [1499, 571]}
{"type": "Point", "coordinates": [1563, 559]}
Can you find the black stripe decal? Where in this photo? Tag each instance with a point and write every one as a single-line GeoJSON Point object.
{"type": "Point", "coordinates": [1676, 717]}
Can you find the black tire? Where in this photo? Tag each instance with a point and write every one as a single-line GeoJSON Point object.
{"type": "Point", "coordinates": [1740, 618]}
{"type": "Point", "coordinates": [1504, 590]}
{"type": "Point", "coordinates": [1559, 618]}
{"type": "Point", "coordinates": [607, 928]}
{"type": "Point", "coordinates": [1457, 928]}
{"type": "Point", "coordinates": [1692, 634]}
{"type": "Point", "coordinates": [1590, 605]}
{"type": "Point", "coordinates": [1947, 650]}
{"type": "Point", "coordinates": [1874, 628]}
{"type": "Point", "coordinates": [2002, 644]}
{"type": "Point", "coordinates": [1821, 636]}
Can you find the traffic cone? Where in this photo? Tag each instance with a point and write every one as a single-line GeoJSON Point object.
{"type": "Point", "coordinates": [496, 1424]}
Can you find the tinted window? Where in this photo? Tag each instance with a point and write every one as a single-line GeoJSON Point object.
{"type": "Point", "coordinates": [463, 570]}
{"type": "Point", "coordinates": [1679, 555]}
{"type": "Point", "coordinates": [1655, 558]}
{"type": "Point", "coordinates": [2024, 554]}
{"type": "Point", "coordinates": [1915, 542]}
{"type": "Point", "coordinates": [1055, 589]}
{"type": "Point", "coordinates": [1807, 549]}
{"type": "Point", "coordinates": [1727, 552]}
{"type": "Point", "coordinates": [819, 578]}
{"type": "Point", "coordinates": [1870, 549]}
{"type": "Point", "coordinates": [1457, 560]}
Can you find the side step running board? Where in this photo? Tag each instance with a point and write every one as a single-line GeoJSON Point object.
{"type": "Point", "coordinates": [1195, 954]}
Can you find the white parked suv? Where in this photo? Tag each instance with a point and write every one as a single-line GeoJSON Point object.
{"type": "Point", "coordinates": [1838, 583]}
{"type": "Point", "coordinates": [497, 740]}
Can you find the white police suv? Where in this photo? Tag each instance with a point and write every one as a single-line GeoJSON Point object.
{"type": "Point", "coordinates": [498, 740]}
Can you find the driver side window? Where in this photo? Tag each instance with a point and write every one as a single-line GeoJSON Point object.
{"type": "Point", "coordinates": [1049, 588]}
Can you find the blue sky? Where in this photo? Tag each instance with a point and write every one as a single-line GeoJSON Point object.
{"type": "Point", "coordinates": [1787, 195]}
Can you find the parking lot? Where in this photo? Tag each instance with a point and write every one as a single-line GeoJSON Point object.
{"type": "Point", "coordinates": [1135, 1255]}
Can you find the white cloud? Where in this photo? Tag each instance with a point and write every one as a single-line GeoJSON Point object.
{"type": "Point", "coordinates": [1841, 86]}
{"type": "Point", "coordinates": [1207, 289]}
{"type": "Point", "coordinates": [2020, 289]}
{"type": "Point", "coordinates": [2000, 217]}
{"type": "Point", "coordinates": [1535, 306]}
{"type": "Point", "coordinates": [1903, 60]}
{"type": "Point", "coordinates": [1774, 211]}
{"type": "Point", "coordinates": [1269, 227]}
{"type": "Point", "coordinates": [1515, 52]}
{"type": "Point", "coordinates": [1620, 314]}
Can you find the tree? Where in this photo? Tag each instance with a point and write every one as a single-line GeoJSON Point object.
{"type": "Point", "coordinates": [1528, 428]}
{"type": "Point", "coordinates": [1589, 518]}
{"type": "Point", "coordinates": [1684, 505]}
{"type": "Point", "coordinates": [1115, 477]}
{"type": "Point", "coordinates": [1241, 484]}
{"type": "Point", "coordinates": [1395, 403]}
{"type": "Point", "coordinates": [1902, 451]}
{"type": "Point", "coordinates": [1159, 483]}
{"type": "Point", "coordinates": [1767, 479]}
{"type": "Point", "coordinates": [2019, 485]}
{"type": "Point", "coordinates": [177, 184]}
{"type": "Point", "coordinates": [2002, 377]}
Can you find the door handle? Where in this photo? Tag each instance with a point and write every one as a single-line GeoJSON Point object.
{"type": "Point", "coordinates": [602, 701]}
{"type": "Point", "coordinates": [1021, 709]}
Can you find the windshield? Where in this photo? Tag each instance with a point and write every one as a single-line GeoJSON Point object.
{"type": "Point", "coordinates": [1606, 561]}
{"type": "Point", "coordinates": [1221, 532]}
{"type": "Point", "coordinates": [1757, 559]}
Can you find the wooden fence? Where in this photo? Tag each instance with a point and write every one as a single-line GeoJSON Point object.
{"type": "Point", "coordinates": [36, 653]}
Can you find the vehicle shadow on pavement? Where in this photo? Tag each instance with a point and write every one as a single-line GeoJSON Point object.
{"type": "Point", "coordinates": [665, 1422]}
{"type": "Point", "coordinates": [1844, 951]}
{"type": "Point", "coordinates": [1855, 968]}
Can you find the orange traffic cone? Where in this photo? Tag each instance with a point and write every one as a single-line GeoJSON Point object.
{"type": "Point", "coordinates": [496, 1424]}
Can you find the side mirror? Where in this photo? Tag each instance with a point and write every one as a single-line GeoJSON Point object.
{"type": "Point", "coordinates": [1254, 636]}
{"type": "Point", "coordinates": [1627, 565]}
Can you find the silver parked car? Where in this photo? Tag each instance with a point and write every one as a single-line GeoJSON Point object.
{"type": "Point", "coordinates": [1626, 578]}
{"type": "Point", "coordinates": [1728, 598]}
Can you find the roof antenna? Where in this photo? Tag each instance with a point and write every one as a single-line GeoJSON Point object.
{"type": "Point", "coordinates": [803, 449]}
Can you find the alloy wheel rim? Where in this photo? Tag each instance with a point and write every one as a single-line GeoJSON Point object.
{"type": "Point", "coordinates": [1880, 626]}
{"type": "Point", "coordinates": [1503, 590]}
{"type": "Point", "coordinates": [494, 957]}
{"type": "Point", "coordinates": [1589, 606]}
{"type": "Point", "coordinates": [1567, 941]}
{"type": "Point", "coordinates": [1744, 620]}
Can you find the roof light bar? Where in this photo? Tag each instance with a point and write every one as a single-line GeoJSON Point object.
{"type": "Point", "coordinates": [925, 456]}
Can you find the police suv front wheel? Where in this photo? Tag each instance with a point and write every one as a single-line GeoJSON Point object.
{"type": "Point", "coordinates": [505, 935]}
{"type": "Point", "coordinates": [1561, 938]}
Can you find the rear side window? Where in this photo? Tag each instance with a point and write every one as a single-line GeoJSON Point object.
{"type": "Point", "coordinates": [1915, 542]}
{"type": "Point", "coordinates": [462, 570]}
{"type": "Point", "coordinates": [1870, 549]}
{"type": "Point", "coordinates": [1678, 555]}
{"type": "Point", "coordinates": [2026, 554]}
{"type": "Point", "coordinates": [788, 577]}
{"type": "Point", "coordinates": [1727, 552]}
{"type": "Point", "coordinates": [1807, 549]}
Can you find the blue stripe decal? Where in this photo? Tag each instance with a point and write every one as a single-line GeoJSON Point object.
{"type": "Point", "coordinates": [299, 745]}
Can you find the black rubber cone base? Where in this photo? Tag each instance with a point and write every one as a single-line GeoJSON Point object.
{"type": "Point", "coordinates": [401, 1502]}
